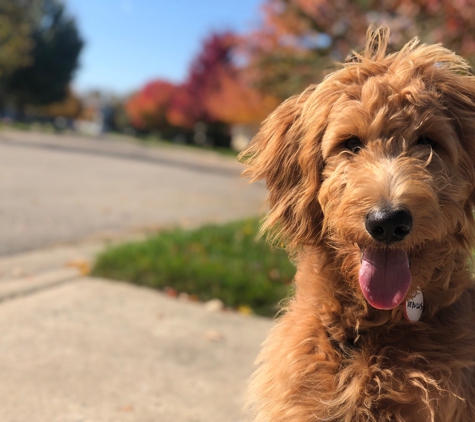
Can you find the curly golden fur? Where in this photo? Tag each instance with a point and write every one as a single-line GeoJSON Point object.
{"type": "Point", "coordinates": [387, 131]}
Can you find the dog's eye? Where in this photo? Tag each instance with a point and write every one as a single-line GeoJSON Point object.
{"type": "Point", "coordinates": [425, 140]}
{"type": "Point", "coordinates": [354, 144]}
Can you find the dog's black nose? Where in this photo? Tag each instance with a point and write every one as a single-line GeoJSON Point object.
{"type": "Point", "coordinates": [388, 225]}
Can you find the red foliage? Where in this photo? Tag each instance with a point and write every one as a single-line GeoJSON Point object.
{"type": "Point", "coordinates": [236, 102]}
{"type": "Point", "coordinates": [299, 38]}
{"type": "Point", "coordinates": [214, 91]}
{"type": "Point", "coordinates": [181, 111]}
{"type": "Point", "coordinates": [148, 108]}
{"type": "Point", "coordinates": [189, 105]}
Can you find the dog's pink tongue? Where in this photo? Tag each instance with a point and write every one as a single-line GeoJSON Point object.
{"type": "Point", "coordinates": [384, 277]}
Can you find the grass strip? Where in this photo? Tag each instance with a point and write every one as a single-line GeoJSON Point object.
{"type": "Point", "coordinates": [230, 262]}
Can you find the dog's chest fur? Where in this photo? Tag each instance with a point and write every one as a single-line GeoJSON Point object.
{"type": "Point", "coordinates": [407, 372]}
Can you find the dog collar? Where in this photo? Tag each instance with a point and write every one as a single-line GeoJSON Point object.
{"type": "Point", "coordinates": [414, 306]}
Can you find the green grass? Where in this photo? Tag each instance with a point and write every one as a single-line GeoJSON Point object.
{"type": "Point", "coordinates": [230, 262]}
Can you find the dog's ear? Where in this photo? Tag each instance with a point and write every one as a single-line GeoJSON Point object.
{"type": "Point", "coordinates": [457, 88]}
{"type": "Point", "coordinates": [455, 83]}
{"type": "Point", "coordinates": [286, 154]}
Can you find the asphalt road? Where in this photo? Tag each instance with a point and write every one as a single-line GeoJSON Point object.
{"type": "Point", "coordinates": [62, 189]}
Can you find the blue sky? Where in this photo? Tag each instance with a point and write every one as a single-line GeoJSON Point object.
{"type": "Point", "coordinates": [130, 42]}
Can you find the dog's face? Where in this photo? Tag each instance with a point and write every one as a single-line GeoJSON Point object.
{"type": "Point", "coordinates": [376, 162]}
{"type": "Point", "coordinates": [395, 179]}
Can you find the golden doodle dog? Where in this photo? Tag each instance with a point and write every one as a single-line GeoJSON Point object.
{"type": "Point", "coordinates": [371, 179]}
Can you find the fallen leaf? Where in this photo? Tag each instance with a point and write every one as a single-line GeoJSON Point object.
{"type": "Point", "coordinates": [81, 264]}
{"type": "Point", "coordinates": [245, 310]}
{"type": "Point", "coordinates": [171, 292]}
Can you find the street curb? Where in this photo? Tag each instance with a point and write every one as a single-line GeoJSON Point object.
{"type": "Point", "coordinates": [18, 287]}
{"type": "Point", "coordinates": [200, 161]}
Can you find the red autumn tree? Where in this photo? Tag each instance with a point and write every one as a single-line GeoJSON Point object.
{"type": "Point", "coordinates": [147, 109]}
{"type": "Point", "coordinates": [215, 94]}
{"type": "Point", "coordinates": [189, 104]}
{"type": "Point", "coordinates": [180, 113]}
{"type": "Point", "coordinates": [300, 38]}
{"type": "Point", "coordinates": [217, 90]}
{"type": "Point", "coordinates": [237, 102]}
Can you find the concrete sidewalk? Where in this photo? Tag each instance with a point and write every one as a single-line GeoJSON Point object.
{"type": "Point", "coordinates": [77, 349]}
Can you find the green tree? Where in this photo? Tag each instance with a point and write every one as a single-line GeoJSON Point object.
{"type": "Point", "coordinates": [15, 35]}
{"type": "Point", "coordinates": [54, 57]}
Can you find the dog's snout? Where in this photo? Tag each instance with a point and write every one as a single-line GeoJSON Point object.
{"type": "Point", "coordinates": [388, 225]}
